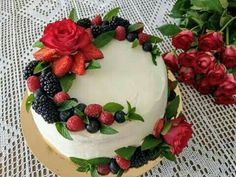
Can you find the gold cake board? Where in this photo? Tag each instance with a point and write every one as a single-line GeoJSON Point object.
{"type": "Point", "coordinates": [56, 162]}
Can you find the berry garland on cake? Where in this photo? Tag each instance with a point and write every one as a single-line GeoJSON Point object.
{"type": "Point", "coordinates": [70, 47]}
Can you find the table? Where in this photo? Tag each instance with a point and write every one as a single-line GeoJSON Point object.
{"type": "Point", "coordinates": [212, 150]}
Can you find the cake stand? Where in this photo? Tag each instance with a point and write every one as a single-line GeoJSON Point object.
{"type": "Point", "coordinates": [56, 162]}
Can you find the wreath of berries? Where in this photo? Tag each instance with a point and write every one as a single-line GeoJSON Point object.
{"type": "Point", "coordinates": [70, 47]}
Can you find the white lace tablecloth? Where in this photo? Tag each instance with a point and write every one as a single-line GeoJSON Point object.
{"type": "Point", "coordinates": [211, 152]}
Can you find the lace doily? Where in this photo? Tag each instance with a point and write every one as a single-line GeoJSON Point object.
{"type": "Point", "coordinates": [212, 150]}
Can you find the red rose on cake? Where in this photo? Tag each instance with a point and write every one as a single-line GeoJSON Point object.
{"type": "Point", "coordinates": [65, 36]}
{"type": "Point", "coordinates": [183, 40]}
{"type": "Point", "coordinates": [229, 56]}
{"type": "Point", "coordinates": [226, 92]}
{"type": "Point", "coordinates": [211, 41]}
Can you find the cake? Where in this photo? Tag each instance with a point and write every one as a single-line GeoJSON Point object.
{"type": "Point", "coordinates": [98, 96]}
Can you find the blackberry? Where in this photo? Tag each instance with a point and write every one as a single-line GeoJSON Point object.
{"type": "Point", "coordinates": [29, 69]}
{"type": "Point", "coordinates": [113, 23]}
{"type": "Point", "coordinates": [45, 107]}
{"type": "Point", "coordinates": [118, 21]}
{"type": "Point", "coordinates": [38, 93]}
{"type": "Point", "coordinates": [131, 36]}
{"type": "Point", "coordinates": [96, 30]}
{"type": "Point", "coordinates": [65, 115]}
{"type": "Point", "coordinates": [106, 28]}
{"type": "Point", "coordinates": [152, 154]}
{"type": "Point", "coordinates": [49, 83]}
{"type": "Point", "coordinates": [138, 159]}
{"type": "Point", "coordinates": [147, 47]}
{"type": "Point", "coordinates": [84, 22]}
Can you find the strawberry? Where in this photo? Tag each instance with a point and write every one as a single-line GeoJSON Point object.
{"type": "Point", "coordinates": [33, 83]}
{"type": "Point", "coordinates": [96, 20]}
{"type": "Point", "coordinates": [92, 52]}
{"type": "Point", "coordinates": [79, 64]}
{"type": "Point", "coordinates": [75, 123]}
{"type": "Point", "coordinates": [93, 110]}
{"type": "Point", "coordinates": [89, 31]}
{"type": "Point", "coordinates": [106, 118]}
{"type": "Point", "coordinates": [103, 169]}
{"type": "Point", "coordinates": [123, 163]}
{"type": "Point", "coordinates": [143, 37]}
{"type": "Point", "coordinates": [45, 54]}
{"type": "Point", "coordinates": [120, 33]}
{"type": "Point", "coordinates": [60, 97]}
{"type": "Point", "coordinates": [62, 65]}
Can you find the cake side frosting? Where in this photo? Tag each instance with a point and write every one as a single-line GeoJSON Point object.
{"type": "Point", "coordinates": [127, 74]}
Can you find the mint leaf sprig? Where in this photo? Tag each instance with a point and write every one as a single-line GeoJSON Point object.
{"type": "Point", "coordinates": [132, 115]}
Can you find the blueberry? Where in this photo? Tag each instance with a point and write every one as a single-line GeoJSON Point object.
{"type": "Point", "coordinates": [65, 115]}
{"type": "Point", "coordinates": [38, 93]}
{"type": "Point", "coordinates": [114, 167]}
{"type": "Point", "coordinates": [147, 47]}
{"type": "Point", "coordinates": [131, 37]}
{"type": "Point", "coordinates": [120, 116]}
{"type": "Point", "coordinates": [81, 107]}
{"type": "Point", "coordinates": [172, 95]}
{"type": "Point", "coordinates": [93, 126]}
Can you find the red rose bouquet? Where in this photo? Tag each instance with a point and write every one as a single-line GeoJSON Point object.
{"type": "Point", "coordinates": [204, 54]}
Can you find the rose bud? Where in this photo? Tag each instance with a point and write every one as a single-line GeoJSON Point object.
{"type": "Point", "coordinates": [216, 75]}
{"type": "Point", "coordinates": [211, 41]}
{"type": "Point", "coordinates": [65, 36]}
{"type": "Point", "coordinates": [229, 56]}
{"type": "Point", "coordinates": [178, 135]}
{"type": "Point", "coordinates": [170, 60]}
{"type": "Point", "coordinates": [186, 75]}
{"type": "Point", "coordinates": [187, 58]}
{"type": "Point", "coordinates": [202, 85]}
{"type": "Point", "coordinates": [226, 92]}
{"type": "Point", "coordinates": [204, 62]}
{"type": "Point", "coordinates": [183, 40]}
{"type": "Point", "coordinates": [158, 128]}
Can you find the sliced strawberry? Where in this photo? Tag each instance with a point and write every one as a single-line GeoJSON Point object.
{"type": "Point", "coordinates": [79, 64]}
{"type": "Point", "coordinates": [62, 65]}
{"type": "Point", "coordinates": [45, 54]}
{"type": "Point", "coordinates": [92, 52]}
{"type": "Point", "coordinates": [89, 31]}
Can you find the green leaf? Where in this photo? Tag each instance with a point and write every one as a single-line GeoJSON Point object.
{"type": "Point", "coordinates": [224, 3]}
{"type": "Point", "coordinates": [61, 128]}
{"type": "Point", "coordinates": [135, 116]}
{"type": "Point", "coordinates": [135, 43]}
{"type": "Point", "coordinates": [169, 29]}
{"type": "Point", "coordinates": [41, 66]}
{"type": "Point", "coordinates": [126, 152]}
{"type": "Point", "coordinates": [150, 142]}
{"type": "Point", "coordinates": [103, 39]}
{"type": "Point", "coordinates": [67, 81]}
{"type": "Point", "coordinates": [166, 127]}
{"type": "Point", "coordinates": [120, 173]}
{"type": "Point", "coordinates": [29, 102]}
{"type": "Point", "coordinates": [232, 70]}
{"type": "Point", "coordinates": [93, 65]}
{"type": "Point", "coordinates": [93, 172]}
{"type": "Point", "coordinates": [107, 130]}
{"type": "Point", "coordinates": [73, 15]}
{"type": "Point", "coordinates": [155, 39]}
{"type": "Point", "coordinates": [180, 8]}
{"type": "Point", "coordinates": [214, 21]}
{"type": "Point", "coordinates": [79, 113]}
{"type": "Point", "coordinates": [155, 52]}
{"type": "Point", "coordinates": [172, 108]}
{"type": "Point", "coordinates": [111, 13]}
{"type": "Point", "coordinates": [225, 18]}
{"type": "Point", "coordinates": [207, 5]}
{"type": "Point", "coordinates": [79, 161]}
{"type": "Point", "coordinates": [99, 160]}
{"type": "Point", "coordinates": [83, 168]}
{"type": "Point", "coordinates": [129, 106]}
{"type": "Point", "coordinates": [38, 44]}
{"type": "Point", "coordinates": [135, 27]}
{"type": "Point", "coordinates": [112, 107]}
{"type": "Point", "coordinates": [169, 155]}
{"type": "Point", "coordinates": [68, 104]}
{"type": "Point", "coordinates": [196, 17]}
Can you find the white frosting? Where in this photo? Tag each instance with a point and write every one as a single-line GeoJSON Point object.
{"type": "Point", "coordinates": [126, 74]}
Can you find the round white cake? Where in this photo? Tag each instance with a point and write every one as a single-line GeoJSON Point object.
{"type": "Point", "coordinates": [127, 74]}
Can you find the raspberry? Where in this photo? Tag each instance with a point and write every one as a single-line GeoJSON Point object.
{"type": "Point", "coordinates": [120, 33]}
{"type": "Point", "coordinates": [93, 110]}
{"type": "Point", "coordinates": [33, 83]}
{"type": "Point", "coordinates": [103, 169]}
{"type": "Point", "coordinates": [29, 69]}
{"type": "Point", "coordinates": [62, 66]}
{"type": "Point", "coordinates": [123, 163]}
{"type": "Point", "coordinates": [60, 97]}
{"type": "Point", "coordinates": [96, 20]}
{"type": "Point", "coordinates": [143, 37]}
{"type": "Point", "coordinates": [106, 118]}
{"type": "Point", "coordinates": [75, 123]}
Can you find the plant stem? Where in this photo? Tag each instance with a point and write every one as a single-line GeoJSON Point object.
{"type": "Point", "coordinates": [194, 28]}
{"type": "Point", "coordinates": [227, 36]}
{"type": "Point", "coordinates": [227, 24]}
